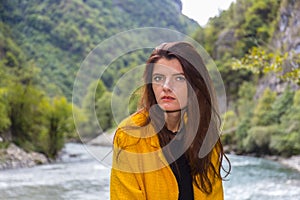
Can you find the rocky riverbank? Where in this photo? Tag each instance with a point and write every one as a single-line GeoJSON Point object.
{"type": "Point", "coordinates": [14, 157]}
{"type": "Point", "coordinates": [292, 162]}
{"type": "Point", "coordinates": [105, 139]}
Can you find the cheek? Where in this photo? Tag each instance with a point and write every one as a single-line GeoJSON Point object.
{"type": "Point", "coordinates": [156, 90]}
{"type": "Point", "coordinates": [182, 95]}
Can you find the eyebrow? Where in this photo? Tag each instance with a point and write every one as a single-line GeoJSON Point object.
{"type": "Point", "coordinates": [172, 74]}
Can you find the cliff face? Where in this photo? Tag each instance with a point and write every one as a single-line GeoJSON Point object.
{"type": "Point", "coordinates": [286, 38]}
{"type": "Point", "coordinates": [287, 35]}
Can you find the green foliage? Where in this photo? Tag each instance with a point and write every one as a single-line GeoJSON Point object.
{"type": "Point", "coordinates": [256, 131]}
{"type": "Point", "coordinates": [288, 143]}
{"type": "Point", "coordinates": [274, 126]}
{"type": "Point", "coordinates": [260, 61]}
{"type": "Point", "coordinates": [232, 34]}
{"type": "Point", "coordinates": [43, 43]}
{"type": "Point", "coordinates": [233, 79]}
{"type": "Point", "coordinates": [291, 69]}
{"type": "Point", "coordinates": [228, 126]}
{"type": "Point", "coordinates": [4, 119]}
{"type": "Point", "coordinates": [251, 24]}
{"type": "Point", "coordinates": [263, 107]}
{"type": "Point", "coordinates": [23, 102]}
{"type": "Point", "coordinates": [245, 99]}
{"type": "Point", "coordinates": [242, 131]}
{"type": "Point", "coordinates": [134, 101]}
{"type": "Point", "coordinates": [281, 105]}
{"type": "Point", "coordinates": [245, 114]}
{"type": "Point", "coordinates": [292, 114]}
{"type": "Point", "coordinates": [104, 112]}
{"type": "Point", "coordinates": [95, 91]}
{"type": "Point", "coordinates": [36, 123]}
{"type": "Point", "coordinates": [239, 40]}
{"type": "Point", "coordinates": [230, 120]}
{"type": "Point", "coordinates": [4, 145]}
{"type": "Point", "coordinates": [28, 117]}
{"type": "Point", "coordinates": [256, 28]}
{"type": "Point", "coordinates": [59, 123]}
{"type": "Point", "coordinates": [258, 139]}
{"type": "Point", "coordinates": [92, 108]}
{"type": "Point", "coordinates": [58, 35]}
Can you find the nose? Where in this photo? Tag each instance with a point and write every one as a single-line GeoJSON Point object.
{"type": "Point", "coordinates": [168, 85]}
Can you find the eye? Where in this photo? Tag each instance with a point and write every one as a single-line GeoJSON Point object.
{"type": "Point", "coordinates": [180, 78]}
{"type": "Point", "coordinates": [157, 78]}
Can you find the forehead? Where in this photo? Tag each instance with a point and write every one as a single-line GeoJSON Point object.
{"type": "Point", "coordinates": [164, 65]}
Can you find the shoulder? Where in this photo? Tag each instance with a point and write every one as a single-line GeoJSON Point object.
{"type": "Point", "coordinates": [137, 119]}
{"type": "Point", "coordinates": [129, 130]}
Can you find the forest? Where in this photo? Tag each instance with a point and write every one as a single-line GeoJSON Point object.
{"type": "Point", "coordinates": [43, 43]}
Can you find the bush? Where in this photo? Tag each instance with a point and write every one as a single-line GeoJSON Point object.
{"type": "Point", "coordinates": [259, 138]}
{"type": "Point", "coordinates": [281, 105]}
{"type": "Point", "coordinates": [263, 107]}
{"type": "Point", "coordinates": [4, 119]}
{"type": "Point", "coordinates": [242, 132]}
{"type": "Point", "coordinates": [103, 111]}
{"type": "Point", "coordinates": [286, 144]}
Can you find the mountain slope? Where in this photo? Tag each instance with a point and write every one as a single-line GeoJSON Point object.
{"type": "Point", "coordinates": [57, 35]}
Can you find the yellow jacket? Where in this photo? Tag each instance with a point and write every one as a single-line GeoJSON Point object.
{"type": "Point", "coordinates": [140, 170]}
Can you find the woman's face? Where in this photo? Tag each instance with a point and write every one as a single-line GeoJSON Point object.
{"type": "Point", "coordinates": [169, 85]}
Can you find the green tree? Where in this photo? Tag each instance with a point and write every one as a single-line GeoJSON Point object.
{"type": "Point", "coordinates": [258, 24]}
{"type": "Point", "coordinates": [245, 101]}
{"type": "Point", "coordinates": [23, 101]}
{"type": "Point", "coordinates": [59, 124]}
{"type": "Point", "coordinates": [57, 35]}
{"type": "Point", "coordinates": [263, 107]}
{"type": "Point", "coordinates": [291, 118]}
{"type": "Point", "coordinates": [288, 143]}
{"type": "Point", "coordinates": [104, 112]}
{"type": "Point", "coordinates": [134, 101]}
{"type": "Point", "coordinates": [263, 61]}
{"type": "Point", "coordinates": [95, 92]}
{"type": "Point", "coordinates": [259, 139]}
{"type": "Point", "coordinates": [54, 125]}
{"type": "Point", "coordinates": [245, 105]}
{"type": "Point", "coordinates": [242, 132]}
{"type": "Point", "coordinates": [4, 119]}
{"type": "Point", "coordinates": [281, 105]}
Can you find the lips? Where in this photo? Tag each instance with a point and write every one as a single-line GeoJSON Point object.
{"type": "Point", "coordinates": [167, 98]}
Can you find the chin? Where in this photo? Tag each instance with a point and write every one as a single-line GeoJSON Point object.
{"type": "Point", "coordinates": [169, 109]}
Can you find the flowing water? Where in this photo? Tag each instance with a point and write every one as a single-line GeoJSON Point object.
{"type": "Point", "coordinates": [80, 176]}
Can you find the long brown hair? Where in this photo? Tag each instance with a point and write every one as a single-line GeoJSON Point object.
{"type": "Point", "coordinates": [203, 120]}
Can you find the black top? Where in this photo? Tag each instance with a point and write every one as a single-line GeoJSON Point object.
{"type": "Point", "coordinates": [182, 172]}
{"type": "Point", "coordinates": [184, 178]}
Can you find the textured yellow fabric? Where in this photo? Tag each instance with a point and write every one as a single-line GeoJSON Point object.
{"type": "Point", "coordinates": [140, 170]}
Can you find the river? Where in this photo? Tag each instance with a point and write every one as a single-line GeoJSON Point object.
{"type": "Point", "coordinates": [80, 176]}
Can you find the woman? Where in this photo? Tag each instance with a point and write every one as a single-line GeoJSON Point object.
{"type": "Point", "coordinates": [170, 148]}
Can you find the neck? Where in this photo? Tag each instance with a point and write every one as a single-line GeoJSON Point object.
{"type": "Point", "coordinates": [173, 120]}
